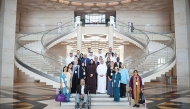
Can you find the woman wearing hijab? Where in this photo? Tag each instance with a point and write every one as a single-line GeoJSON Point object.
{"type": "Point", "coordinates": [91, 77]}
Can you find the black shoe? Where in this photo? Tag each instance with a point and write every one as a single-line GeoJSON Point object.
{"type": "Point", "coordinates": [77, 106]}
{"type": "Point", "coordinates": [137, 105]}
{"type": "Point", "coordinates": [84, 105]}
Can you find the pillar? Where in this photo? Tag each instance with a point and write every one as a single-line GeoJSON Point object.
{"type": "Point", "coordinates": [122, 53]}
{"type": "Point", "coordinates": [7, 41]}
{"type": "Point", "coordinates": [182, 35]}
{"type": "Point", "coordinates": [79, 38]}
{"type": "Point", "coordinates": [110, 36]}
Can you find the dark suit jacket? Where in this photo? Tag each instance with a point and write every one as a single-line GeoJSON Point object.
{"type": "Point", "coordinates": [82, 72]}
{"type": "Point", "coordinates": [111, 54]}
{"type": "Point", "coordinates": [86, 88]}
{"type": "Point", "coordinates": [87, 61]}
{"type": "Point", "coordinates": [97, 63]}
{"type": "Point", "coordinates": [115, 64]}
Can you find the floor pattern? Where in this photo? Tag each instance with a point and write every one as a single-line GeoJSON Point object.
{"type": "Point", "coordinates": [41, 96]}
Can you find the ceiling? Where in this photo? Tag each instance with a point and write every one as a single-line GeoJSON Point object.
{"type": "Point", "coordinates": [48, 5]}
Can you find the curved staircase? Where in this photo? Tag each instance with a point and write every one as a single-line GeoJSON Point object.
{"type": "Point", "coordinates": [37, 61]}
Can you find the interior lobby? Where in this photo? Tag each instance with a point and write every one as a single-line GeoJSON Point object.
{"type": "Point", "coordinates": [150, 36]}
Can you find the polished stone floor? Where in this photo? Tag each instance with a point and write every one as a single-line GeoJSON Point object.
{"type": "Point", "coordinates": [41, 96]}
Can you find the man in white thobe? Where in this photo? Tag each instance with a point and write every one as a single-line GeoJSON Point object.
{"type": "Point", "coordinates": [114, 58]}
{"type": "Point", "coordinates": [78, 53]}
{"type": "Point", "coordinates": [110, 56]}
{"type": "Point", "coordinates": [69, 58]}
{"type": "Point", "coordinates": [100, 54]}
{"type": "Point", "coordinates": [91, 56]}
{"type": "Point", "coordinates": [102, 70]}
{"type": "Point", "coordinates": [88, 53]}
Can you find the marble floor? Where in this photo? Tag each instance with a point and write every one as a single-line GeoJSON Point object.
{"type": "Point", "coordinates": [41, 96]}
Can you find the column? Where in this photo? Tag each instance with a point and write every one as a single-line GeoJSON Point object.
{"type": "Point", "coordinates": [110, 36]}
{"type": "Point", "coordinates": [7, 41]}
{"type": "Point", "coordinates": [122, 53]}
{"type": "Point", "coordinates": [182, 35]}
{"type": "Point", "coordinates": [79, 38]}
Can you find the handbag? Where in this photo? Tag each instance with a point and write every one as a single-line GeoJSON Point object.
{"type": "Point", "coordinates": [142, 98]}
{"type": "Point", "coordinates": [60, 98]}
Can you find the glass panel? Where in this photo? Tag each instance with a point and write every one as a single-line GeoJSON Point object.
{"type": "Point", "coordinates": [95, 18]}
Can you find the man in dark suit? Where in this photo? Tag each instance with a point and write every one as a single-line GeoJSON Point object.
{"type": "Point", "coordinates": [86, 60]}
{"type": "Point", "coordinates": [96, 61]}
{"type": "Point", "coordinates": [110, 51]}
{"type": "Point", "coordinates": [118, 63]}
{"type": "Point", "coordinates": [82, 93]}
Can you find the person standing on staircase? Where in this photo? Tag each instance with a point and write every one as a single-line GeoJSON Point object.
{"type": "Point", "coordinates": [124, 80]}
{"type": "Point", "coordinates": [116, 79]}
{"type": "Point", "coordinates": [100, 54]}
{"type": "Point", "coordinates": [69, 58]}
{"type": "Point", "coordinates": [91, 77]}
{"type": "Point", "coordinates": [78, 53]}
{"type": "Point", "coordinates": [66, 79]}
{"type": "Point", "coordinates": [110, 73]}
{"type": "Point", "coordinates": [135, 87]}
{"type": "Point", "coordinates": [110, 51]}
{"type": "Point", "coordinates": [76, 76]}
{"type": "Point", "coordinates": [117, 63]}
{"type": "Point", "coordinates": [86, 60]}
{"type": "Point", "coordinates": [102, 70]}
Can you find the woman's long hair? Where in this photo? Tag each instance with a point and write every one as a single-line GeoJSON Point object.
{"type": "Point", "coordinates": [82, 63]}
{"type": "Point", "coordinates": [136, 71]}
{"type": "Point", "coordinates": [68, 67]}
{"type": "Point", "coordinates": [64, 68]}
{"type": "Point", "coordinates": [107, 59]}
{"type": "Point", "coordinates": [92, 62]}
{"type": "Point", "coordinates": [81, 56]}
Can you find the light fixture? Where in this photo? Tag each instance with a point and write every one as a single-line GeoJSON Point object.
{"type": "Point", "coordinates": [101, 4]}
{"type": "Point", "coordinates": [64, 2]}
{"type": "Point", "coordinates": [126, 1]}
{"type": "Point", "coordinates": [76, 3]}
{"type": "Point", "coordinates": [88, 4]}
{"type": "Point", "coordinates": [113, 3]}
{"type": "Point", "coordinates": [94, 3]}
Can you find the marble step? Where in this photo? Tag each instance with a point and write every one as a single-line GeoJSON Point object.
{"type": "Point", "coordinates": [100, 103]}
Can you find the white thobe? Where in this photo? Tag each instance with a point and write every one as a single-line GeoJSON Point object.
{"type": "Point", "coordinates": [101, 70]}
{"type": "Point", "coordinates": [103, 57]}
{"type": "Point", "coordinates": [69, 59]}
{"type": "Point", "coordinates": [91, 57]}
{"type": "Point", "coordinates": [114, 59]}
{"type": "Point", "coordinates": [111, 58]}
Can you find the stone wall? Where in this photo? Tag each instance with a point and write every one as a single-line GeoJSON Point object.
{"type": "Point", "coordinates": [33, 21]}
{"type": "Point", "coordinates": [156, 21]}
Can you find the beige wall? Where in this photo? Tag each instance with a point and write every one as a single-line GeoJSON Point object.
{"type": "Point", "coordinates": [33, 21]}
{"type": "Point", "coordinates": [59, 50]}
{"type": "Point", "coordinates": [160, 21]}
{"type": "Point", "coordinates": [129, 50]}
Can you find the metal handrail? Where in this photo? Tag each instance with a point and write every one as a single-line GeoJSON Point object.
{"type": "Point", "coordinates": [29, 67]}
{"type": "Point", "coordinates": [157, 50]}
{"type": "Point", "coordinates": [62, 35]}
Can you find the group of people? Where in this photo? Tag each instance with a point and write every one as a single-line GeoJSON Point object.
{"type": "Point", "coordinates": [98, 74]}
